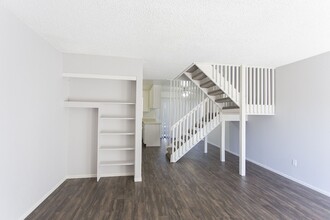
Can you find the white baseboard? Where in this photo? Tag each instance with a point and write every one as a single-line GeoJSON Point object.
{"type": "Point", "coordinates": [118, 174]}
{"type": "Point", "coordinates": [215, 145]}
{"type": "Point", "coordinates": [43, 198]}
{"type": "Point", "coordinates": [81, 176]}
{"type": "Point", "coordinates": [280, 173]}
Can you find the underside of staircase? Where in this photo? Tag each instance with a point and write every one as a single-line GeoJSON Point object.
{"type": "Point", "coordinates": [231, 93]}
{"type": "Point", "coordinates": [210, 88]}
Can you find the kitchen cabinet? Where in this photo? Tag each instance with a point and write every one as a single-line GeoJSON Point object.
{"type": "Point", "coordinates": [154, 97]}
{"type": "Point", "coordinates": [151, 133]}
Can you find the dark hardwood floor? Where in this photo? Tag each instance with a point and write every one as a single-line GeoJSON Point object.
{"type": "Point", "coordinates": [196, 187]}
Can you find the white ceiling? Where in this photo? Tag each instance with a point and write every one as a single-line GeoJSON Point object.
{"type": "Point", "coordinates": [169, 35]}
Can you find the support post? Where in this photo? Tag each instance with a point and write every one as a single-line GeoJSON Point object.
{"type": "Point", "coordinates": [205, 144]}
{"type": "Point", "coordinates": [223, 142]}
{"type": "Point", "coordinates": [242, 129]}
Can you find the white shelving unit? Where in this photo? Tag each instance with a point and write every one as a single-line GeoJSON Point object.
{"type": "Point", "coordinates": [115, 148]}
{"type": "Point", "coordinates": [117, 163]}
{"type": "Point", "coordinates": [97, 76]}
{"type": "Point", "coordinates": [114, 133]}
{"type": "Point", "coordinates": [116, 129]}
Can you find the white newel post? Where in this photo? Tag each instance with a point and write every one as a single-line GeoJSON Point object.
{"type": "Point", "coordinates": [223, 142]}
{"type": "Point", "coordinates": [242, 130]}
{"type": "Point", "coordinates": [205, 144]}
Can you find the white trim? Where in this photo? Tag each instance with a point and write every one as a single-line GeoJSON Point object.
{"type": "Point", "coordinates": [91, 104]}
{"type": "Point", "coordinates": [81, 176]}
{"type": "Point", "coordinates": [98, 76]}
{"type": "Point", "coordinates": [117, 174]}
{"type": "Point", "coordinates": [138, 179]}
{"type": "Point", "coordinates": [43, 198]}
{"type": "Point", "coordinates": [326, 193]}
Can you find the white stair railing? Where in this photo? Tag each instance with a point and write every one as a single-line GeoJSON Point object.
{"type": "Point", "coordinates": [260, 91]}
{"type": "Point", "coordinates": [193, 127]}
{"type": "Point", "coordinates": [184, 95]}
{"type": "Point", "coordinates": [227, 77]}
{"type": "Point", "coordinates": [260, 85]}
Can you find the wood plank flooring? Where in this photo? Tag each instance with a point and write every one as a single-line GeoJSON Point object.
{"type": "Point", "coordinates": [196, 187]}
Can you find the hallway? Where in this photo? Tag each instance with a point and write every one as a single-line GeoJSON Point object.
{"type": "Point", "coordinates": [196, 187]}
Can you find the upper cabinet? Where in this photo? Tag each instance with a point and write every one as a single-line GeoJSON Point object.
{"type": "Point", "coordinates": [154, 97]}
{"type": "Point", "coordinates": [146, 101]}
{"type": "Point", "coordinates": [151, 98]}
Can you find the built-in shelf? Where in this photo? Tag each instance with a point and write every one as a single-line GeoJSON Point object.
{"type": "Point", "coordinates": [97, 76]}
{"type": "Point", "coordinates": [116, 163]}
{"type": "Point", "coordinates": [92, 104]}
{"type": "Point", "coordinates": [116, 148]}
{"type": "Point", "coordinates": [116, 133]}
{"type": "Point", "coordinates": [116, 118]}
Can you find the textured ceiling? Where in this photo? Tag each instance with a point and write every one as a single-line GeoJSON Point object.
{"type": "Point", "coordinates": [169, 35]}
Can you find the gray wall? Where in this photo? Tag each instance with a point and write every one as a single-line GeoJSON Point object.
{"type": "Point", "coordinates": [300, 129]}
{"type": "Point", "coordinates": [32, 118]}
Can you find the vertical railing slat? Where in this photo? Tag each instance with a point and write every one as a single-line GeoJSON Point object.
{"type": "Point", "coordinates": [262, 89]}
{"type": "Point", "coordinates": [266, 91]}
{"type": "Point", "coordinates": [229, 80]}
{"type": "Point", "coordinates": [258, 90]}
{"type": "Point", "coordinates": [250, 90]}
{"type": "Point", "coordinates": [273, 91]}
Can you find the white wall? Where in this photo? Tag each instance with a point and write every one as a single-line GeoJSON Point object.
{"type": "Point", "coordinates": [82, 123]}
{"type": "Point", "coordinates": [32, 131]}
{"type": "Point", "coordinates": [299, 130]}
{"type": "Point", "coordinates": [77, 63]}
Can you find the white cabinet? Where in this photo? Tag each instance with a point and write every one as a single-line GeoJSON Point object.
{"type": "Point", "coordinates": [151, 134]}
{"type": "Point", "coordinates": [151, 98]}
{"type": "Point", "coordinates": [146, 101]}
{"type": "Point", "coordinates": [154, 96]}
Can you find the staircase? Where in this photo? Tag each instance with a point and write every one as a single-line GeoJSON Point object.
{"type": "Point", "coordinates": [192, 128]}
{"type": "Point", "coordinates": [230, 93]}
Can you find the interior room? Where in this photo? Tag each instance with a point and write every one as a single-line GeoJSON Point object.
{"type": "Point", "coordinates": [164, 109]}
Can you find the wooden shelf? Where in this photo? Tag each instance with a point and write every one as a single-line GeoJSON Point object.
{"type": "Point", "coordinates": [116, 163]}
{"type": "Point", "coordinates": [92, 104]}
{"type": "Point", "coordinates": [97, 76]}
{"type": "Point", "coordinates": [116, 148]}
{"type": "Point", "coordinates": [116, 133]}
{"type": "Point", "coordinates": [116, 118]}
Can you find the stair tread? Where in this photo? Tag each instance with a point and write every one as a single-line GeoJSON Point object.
{"type": "Point", "coordinates": [199, 76]}
{"type": "Point", "coordinates": [209, 82]}
{"type": "Point", "coordinates": [230, 107]}
{"type": "Point", "coordinates": [215, 92]}
{"type": "Point", "coordinates": [221, 100]}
